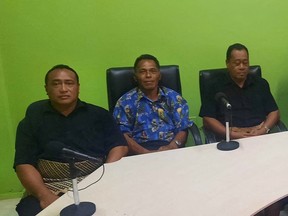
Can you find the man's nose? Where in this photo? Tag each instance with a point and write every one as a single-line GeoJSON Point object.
{"type": "Point", "coordinates": [148, 74]}
{"type": "Point", "coordinates": [242, 65]}
{"type": "Point", "coordinates": [63, 87]}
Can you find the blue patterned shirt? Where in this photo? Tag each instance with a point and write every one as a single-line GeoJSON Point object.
{"type": "Point", "coordinates": [147, 120]}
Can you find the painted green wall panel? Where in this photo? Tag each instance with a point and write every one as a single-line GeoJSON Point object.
{"type": "Point", "coordinates": [9, 182]}
{"type": "Point", "coordinates": [92, 36]}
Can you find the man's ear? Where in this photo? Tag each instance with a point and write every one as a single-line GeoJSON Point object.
{"type": "Point", "coordinates": [45, 86]}
{"type": "Point", "coordinates": [135, 78]}
{"type": "Point", "coordinates": [226, 62]}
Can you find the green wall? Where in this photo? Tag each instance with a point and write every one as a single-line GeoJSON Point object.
{"type": "Point", "coordinates": [94, 35]}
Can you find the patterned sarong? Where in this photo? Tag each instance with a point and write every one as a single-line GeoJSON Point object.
{"type": "Point", "coordinates": [56, 175]}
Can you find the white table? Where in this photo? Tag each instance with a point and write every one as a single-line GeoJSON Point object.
{"type": "Point", "coordinates": [193, 181]}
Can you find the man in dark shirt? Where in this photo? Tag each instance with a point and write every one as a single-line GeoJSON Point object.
{"type": "Point", "coordinates": [254, 112]}
{"type": "Point", "coordinates": [68, 121]}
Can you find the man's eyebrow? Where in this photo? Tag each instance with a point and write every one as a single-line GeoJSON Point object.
{"type": "Point", "coordinates": [55, 80]}
{"type": "Point", "coordinates": [62, 80]}
{"type": "Point", "coordinates": [153, 68]}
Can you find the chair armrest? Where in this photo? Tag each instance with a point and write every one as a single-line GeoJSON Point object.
{"type": "Point", "coordinates": [195, 134]}
{"type": "Point", "coordinates": [210, 137]}
{"type": "Point", "coordinates": [280, 126]}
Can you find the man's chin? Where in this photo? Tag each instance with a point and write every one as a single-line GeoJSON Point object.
{"type": "Point", "coordinates": [64, 102]}
{"type": "Point", "coordinates": [242, 77]}
{"type": "Point", "coordinates": [149, 87]}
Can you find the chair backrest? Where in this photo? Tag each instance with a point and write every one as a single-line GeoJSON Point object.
{"type": "Point", "coordinates": [207, 76]}
{"type": "Point", "coordinates": [120, 80]}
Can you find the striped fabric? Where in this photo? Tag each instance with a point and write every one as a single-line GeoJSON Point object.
{"type": "Point", "coordinates": [56, 175]}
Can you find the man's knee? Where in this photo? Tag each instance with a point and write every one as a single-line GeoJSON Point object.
{"type": "Point", "coordinates": [28, 206]}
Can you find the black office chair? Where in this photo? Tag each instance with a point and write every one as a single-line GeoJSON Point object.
{"type": "Point", "coordinates": [206, 77]}
{"type": "Point", "coordinates": [120, 80]}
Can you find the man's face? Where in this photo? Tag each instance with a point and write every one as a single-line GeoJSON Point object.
{"type": "Point", "coordinates": [147, 75]}
{"type": "Point", "coordinates": [62, 87]}
{"type": "Point", "coordinates": [238, 65]}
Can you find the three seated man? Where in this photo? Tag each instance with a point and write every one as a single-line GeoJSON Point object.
{"type": "Point", "coordinates": [148, 118]}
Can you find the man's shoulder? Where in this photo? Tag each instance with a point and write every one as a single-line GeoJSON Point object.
{"type": "Point", "coordinates": [172, 96]}
{"type": "Point", "coordinates": [94, 109]}
{"type": "Point", "coordinates": [168, 91]}
{"type": "Point", "coordinates": [38, 105]}
{"type": "Point", "coordinates": [132, 94]}
{"type": "Point", "coordinates": [221, 79]}
{"type": "Point", "coordinates": [132, 91]}
{"type": "Point", "coordinates": [36, 109]}
{"type": "Point", "coordinates": [257, 79]}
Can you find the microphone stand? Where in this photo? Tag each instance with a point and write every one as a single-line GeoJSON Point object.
{"type": "Point", "coordinates": [78, 208]}
{"type": "Point", "coordinates": [227, 145]}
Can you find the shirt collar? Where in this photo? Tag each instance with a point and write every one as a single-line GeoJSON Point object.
{"type": "Point", "coordinates": [161, 93]}
{"type": "Point", "coordinates": [250, 80]}
{"type": "Point", "coordinates": [49, 108]}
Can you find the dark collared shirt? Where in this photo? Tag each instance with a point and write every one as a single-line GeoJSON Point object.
{"type": "Point", "coordinates": [88, 129]}
{"type": "Point", "coordinates": [250, 104]}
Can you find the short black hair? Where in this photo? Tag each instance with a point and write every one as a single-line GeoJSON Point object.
{"type": "Point", "coordinates": [236, 46]}
{"type": "Point", "coordinates": [146, 57]}
{"type": "Point", "coordinates": [61, 66]}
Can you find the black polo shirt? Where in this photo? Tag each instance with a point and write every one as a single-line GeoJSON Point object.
{"type": "Point", "coordinates": [89, 129]}
{"type": "Point", "coordinates": [250, 104]}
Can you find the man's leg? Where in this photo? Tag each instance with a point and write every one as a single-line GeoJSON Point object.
{"type": "Point", "coordinates": [28, 206]}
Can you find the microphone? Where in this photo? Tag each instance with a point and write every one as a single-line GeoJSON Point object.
{"type": "Point", "coordinates": [221, 97]}
{"type": "Point", "coordinates": [78, 208]}
{"type": "Point", "coordinates": [59, 149]}
{"type": "Point", "coordinates": [226, 145]}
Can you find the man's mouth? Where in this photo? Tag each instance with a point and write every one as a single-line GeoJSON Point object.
{"type": "Point", "coordinates": [64, 96]}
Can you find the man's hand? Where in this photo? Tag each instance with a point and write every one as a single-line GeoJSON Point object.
{"type": "Point", "coordinates": [237, 133]}
{"type": "Point", "coordinates": [47, 199]}
{"type": "Point", "coordinates": [34, 185]}
{"type": "Point", "coordinates": [168, 147]}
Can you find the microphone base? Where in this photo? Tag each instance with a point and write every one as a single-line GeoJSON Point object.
{"type": "Point", "coordinates": [83, 209]}
{"type": "Point", "coordinates": [227, 146]}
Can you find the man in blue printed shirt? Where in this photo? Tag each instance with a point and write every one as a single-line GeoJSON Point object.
{"type": "Point", "coordinates": [152, 117]}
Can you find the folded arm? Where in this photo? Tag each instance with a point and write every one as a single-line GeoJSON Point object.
{"type": "Point", "coordinates": [181, 137]}
{"type": "Point", "coordinates": [217, 127]}
{"type": "Point", "coordinates": [117, 153]}
{"type": "Point", "coordinates": [271, 120]}
{"type": "Point", "coordinates": [134, 147]}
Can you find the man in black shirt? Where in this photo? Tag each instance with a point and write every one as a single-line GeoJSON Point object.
{"type": "Point", "coordinates": [254, 112]}
{"type": "Point", "coordinates": [66, 120]}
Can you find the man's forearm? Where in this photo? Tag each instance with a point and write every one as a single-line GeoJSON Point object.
{"type": "Point", "coordinates": [33, 183]}
{"type": "Point", "coordinates": [134, 147]}
{"type": "Point", "coordinates": [214, 125]}
{"type": "Point", "coordinates": [272, 119]}
{"type": "Point", "coordinates": [181, 137]}
{"type": "Point", "coordinates": [31, 180]}
{"type": "Point", "coordinates": [117, 153]}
